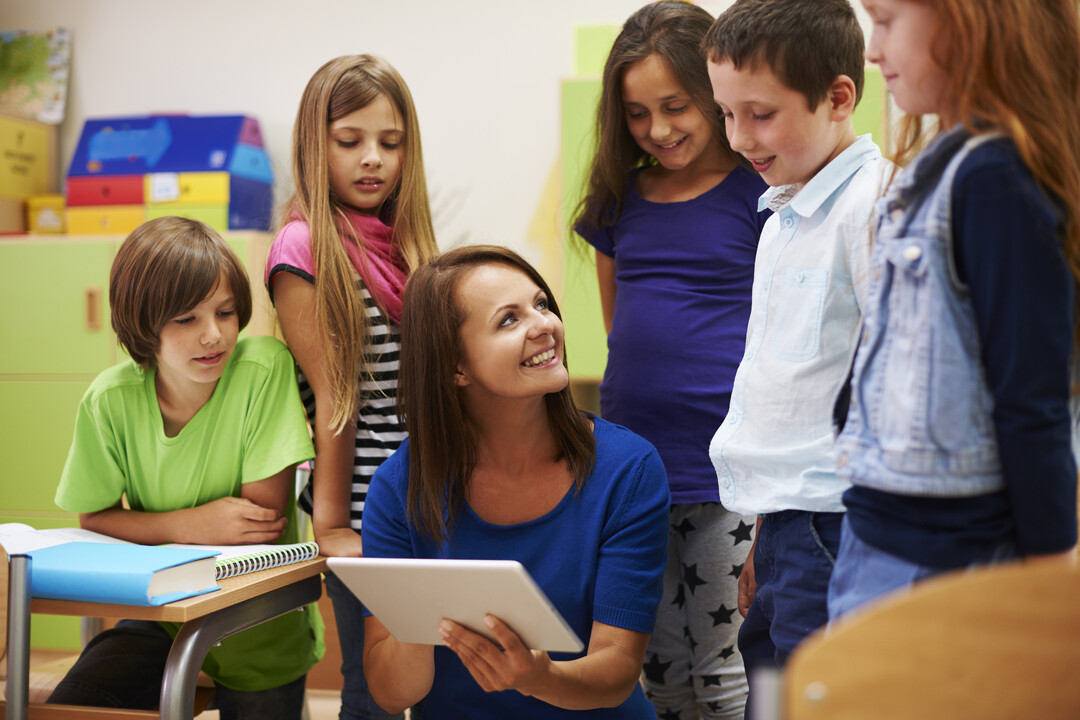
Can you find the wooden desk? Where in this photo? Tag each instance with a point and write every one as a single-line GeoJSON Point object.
{"type": "Point", "coordinates": [242, 602]}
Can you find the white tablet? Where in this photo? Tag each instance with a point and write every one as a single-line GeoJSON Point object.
{"type": "Point", "coordinates": [411, 597]}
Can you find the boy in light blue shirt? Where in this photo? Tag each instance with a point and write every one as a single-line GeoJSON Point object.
{"type": "Point", "coordinates": [787, 75]}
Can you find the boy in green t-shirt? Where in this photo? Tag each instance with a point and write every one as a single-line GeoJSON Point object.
{"type": "Point", "coordinates": [200, 432]}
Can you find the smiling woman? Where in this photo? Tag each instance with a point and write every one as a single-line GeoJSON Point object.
{"type": "Point", "coordinates": [500, 464]}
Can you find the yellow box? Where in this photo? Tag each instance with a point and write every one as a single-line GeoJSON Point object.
{"type": "Point", "coordinates": [12, 216]}
{"type": "Point", "coordinates": [187, 188]}
{"type": "Point", "coordinates": [105, 219]}
{"type": "Point", "coordinates": [216, 216]}
{"type": "Point", "coordinates": [27, 157]}
{"type": "Point", "coordinates": [45, 213]}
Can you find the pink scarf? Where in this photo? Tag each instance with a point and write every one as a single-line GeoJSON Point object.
{"type": "Point", "coordinates": [379, 264]}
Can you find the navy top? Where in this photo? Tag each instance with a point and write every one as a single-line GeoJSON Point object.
{"type": "Point", "coordinates": [683, 273]}
{"type": "Point", "coordinates": [599, 555]}
{"type": "Point", "coordinates": [1007, 246]}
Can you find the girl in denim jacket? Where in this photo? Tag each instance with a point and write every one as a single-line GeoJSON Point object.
{"type": "Point", "coordinates": [957, 441]}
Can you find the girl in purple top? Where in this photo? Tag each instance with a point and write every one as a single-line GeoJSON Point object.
{"type": "Point", "coordinates": [674, 219]}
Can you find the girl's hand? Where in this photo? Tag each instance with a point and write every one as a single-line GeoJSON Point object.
{"type": "Point", "coordinates": [514, 666]}
{"type": "Point", "coordinates": [339, 542]}
{"type": "Point", "coordinates": [235, 521]}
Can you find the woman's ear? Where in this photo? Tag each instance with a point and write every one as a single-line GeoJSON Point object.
{"type": "Point", "coordinates": [841, 98]}
{"type": "Point", "coordinates": [460, 378]}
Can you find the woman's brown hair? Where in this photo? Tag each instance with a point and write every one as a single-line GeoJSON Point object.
{"type": "Point", "coordinates": [442, 444]}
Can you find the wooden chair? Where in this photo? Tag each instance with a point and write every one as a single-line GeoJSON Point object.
{"type": "Point", "coordinates": [1000, 642]}
{"type": "Point", "coordinates": [44, 678]}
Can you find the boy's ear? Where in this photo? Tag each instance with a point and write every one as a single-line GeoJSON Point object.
{"type": "Point", "coordinates": [841, 98]}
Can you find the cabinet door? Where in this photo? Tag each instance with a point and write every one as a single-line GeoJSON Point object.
{"type": "Point", "coordinates": [55, 297]}
{"type": "Point", "coordinates": [37, 419]}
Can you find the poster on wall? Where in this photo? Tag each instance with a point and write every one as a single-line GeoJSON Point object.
{"type": "Point", "coordinates": [34, 71]}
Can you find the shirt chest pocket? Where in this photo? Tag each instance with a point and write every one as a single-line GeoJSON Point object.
{"type": "Point", "coordinates": [800, 304]}
{"type": "Point", "coordinates": [908, 288]}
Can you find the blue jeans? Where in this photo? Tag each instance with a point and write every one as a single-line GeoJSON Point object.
{"type": "Point", "coordinates": [356, 700]}
{"type": "Point", "coordinates": [793, 560]}
{"type": "Point", "coordinates": [122, 668]}
{"type": "Point", "coordinates": [863, 572]}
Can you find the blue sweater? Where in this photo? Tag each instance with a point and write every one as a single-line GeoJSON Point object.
{"type": "Point", "coordinates": [1007, 246]}
{"type": "Point", "coordinates": [598, 555]}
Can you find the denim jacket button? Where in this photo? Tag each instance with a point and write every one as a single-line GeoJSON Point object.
{"type": "Point", "coordinates": [911, 253]}
{"type": "Point", "coordinates": [842, 460]}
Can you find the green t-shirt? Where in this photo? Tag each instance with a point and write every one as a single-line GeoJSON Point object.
{"type": "Point", "coordinates": [252, 427]}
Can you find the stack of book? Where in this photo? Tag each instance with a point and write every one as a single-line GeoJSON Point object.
{"type": "Point", "coordinates": [77, 564]}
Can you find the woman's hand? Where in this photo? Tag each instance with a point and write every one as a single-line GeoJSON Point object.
{"type": "Point", "coordinates": [508, 665]}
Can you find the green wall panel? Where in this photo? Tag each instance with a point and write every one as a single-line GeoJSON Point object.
{"type": "Point", "coordinates": [36, 421]}
{"type": "Point", "coordinates": [45, 291]}
{"type": "Point", "coordinates": [586, 339]}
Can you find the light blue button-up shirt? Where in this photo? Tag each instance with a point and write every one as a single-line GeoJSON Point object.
{"type": "Point", "coordinates": [774, 450]}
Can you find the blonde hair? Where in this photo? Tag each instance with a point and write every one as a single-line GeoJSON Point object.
{"type": "Point", "coordinates": [1014, 67]}
{"type": "Point", "coordinates": [338, 88]}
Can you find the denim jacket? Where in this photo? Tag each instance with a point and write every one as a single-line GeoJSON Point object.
{"type": "Point", "coordinates": [920, 421]}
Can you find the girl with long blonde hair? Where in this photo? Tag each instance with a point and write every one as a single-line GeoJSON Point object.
{"type": "Point", "coordinates": [357, 224]}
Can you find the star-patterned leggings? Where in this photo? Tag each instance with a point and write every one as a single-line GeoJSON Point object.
{"type": "Point", "coordinates": [693, 668]}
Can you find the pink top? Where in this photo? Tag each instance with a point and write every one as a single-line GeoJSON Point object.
{"type": "Point", "coordinates": [379, 264]}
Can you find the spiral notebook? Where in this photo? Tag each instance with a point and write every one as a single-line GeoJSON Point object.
{"type": "Point", "coordinates": [236, 560]}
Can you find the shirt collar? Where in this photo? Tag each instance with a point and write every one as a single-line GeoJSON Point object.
{"type": "Point", "coordinates": [824, 185]}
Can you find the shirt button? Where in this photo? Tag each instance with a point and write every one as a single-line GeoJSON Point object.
{"type": "Point", "coordinates": [911, 253]}
{"type": "Point", "coordinates": [842, 460]}
{"type": "Point", "coordinates": [788, 222]}
{"type": "Point", "coordinates": [897, 214]}
{"type": "Point", "coordinates": [800, 277]}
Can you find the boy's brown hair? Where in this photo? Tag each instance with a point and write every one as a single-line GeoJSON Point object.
{"type": "Point", "coordinates": [163, 269]}
{"type": "Point", "coordinates": [805, 44]}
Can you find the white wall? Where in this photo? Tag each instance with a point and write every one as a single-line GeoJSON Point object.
{"type": "Point", "coordinates": [484, 74]}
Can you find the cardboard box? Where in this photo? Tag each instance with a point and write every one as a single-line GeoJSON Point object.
{"type": "Point", "coordinates": [186, 160]}
{"type": "Point", "coordinates": [208, 188]}
{"type": "Point", "coordinates": [105, 219]}
{"type": "Point", "coordinates": [216, 216]}
{"type": "Point", "coordinates": [28, 163]}
{"type": "Point", "coordinates": [12, 216]}
{"type": "Point", "coordinates": [105, 190]}
{"type": "Point", "coordinates": [45, 214]}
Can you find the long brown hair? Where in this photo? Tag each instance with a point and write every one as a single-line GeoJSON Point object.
{"type": "Point", "coordinates": [442, 442]}
{"type": "Point", "coordinates": [1014, 67]}
{"type": "Point", "coordinates": [338, 88]}
{"type": "Point", "coordinates": [672, 30]}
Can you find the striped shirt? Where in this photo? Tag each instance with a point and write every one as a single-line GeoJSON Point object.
{"type": "Point", "coordinates": [378, 429]}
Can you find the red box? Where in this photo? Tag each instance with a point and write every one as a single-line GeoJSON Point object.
{"type": "Point", "coordinates": [105, 190]}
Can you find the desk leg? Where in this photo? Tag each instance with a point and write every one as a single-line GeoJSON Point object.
{"type": "Point", "coordinates": [196, 637]}
{"type": "Point", "coordinates": [18, 676]}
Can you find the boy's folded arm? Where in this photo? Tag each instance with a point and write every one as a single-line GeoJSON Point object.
{"type": "Point", "coordinates": [256, 518]}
